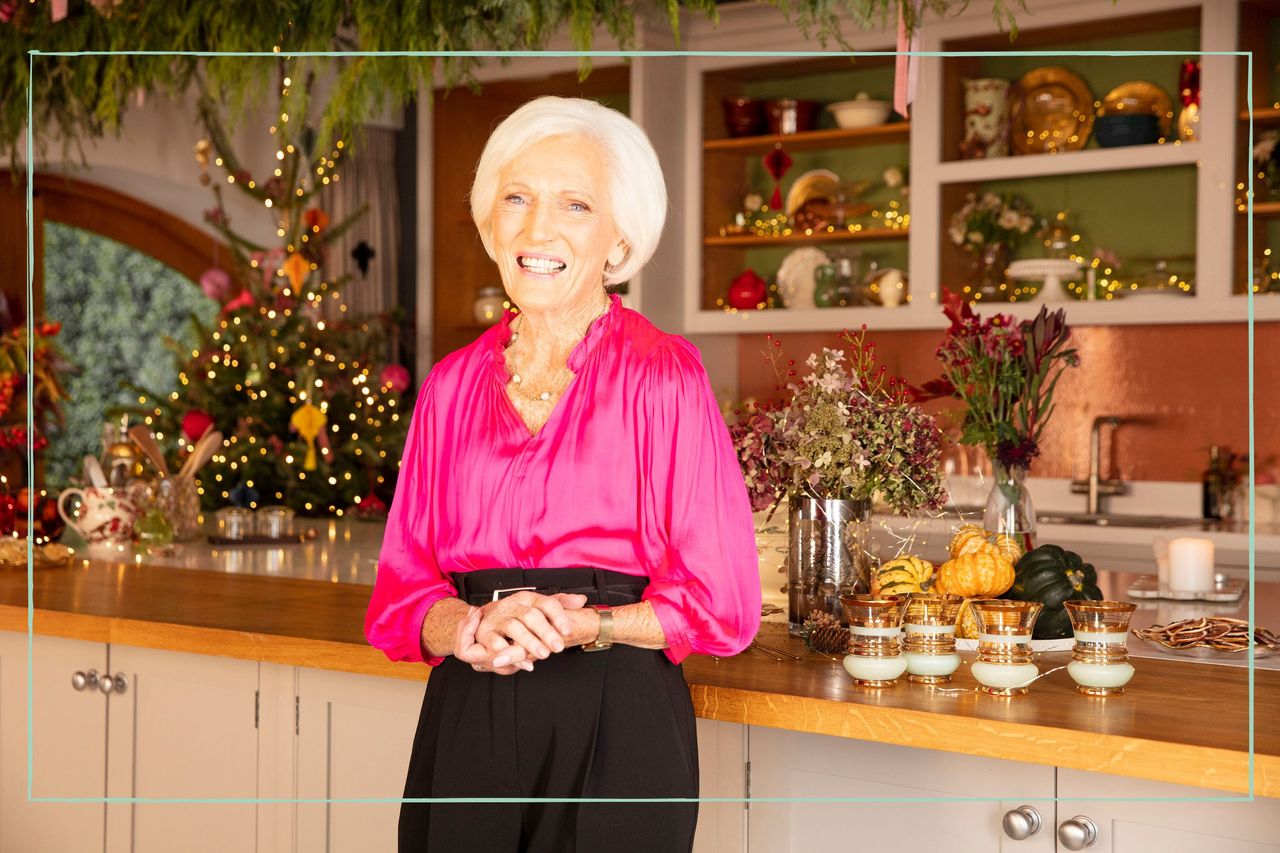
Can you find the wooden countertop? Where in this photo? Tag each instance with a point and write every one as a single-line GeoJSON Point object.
{"type": "Point", "coordinates": [1179, 722]}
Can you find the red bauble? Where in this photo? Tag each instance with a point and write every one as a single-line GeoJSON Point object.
{"type": "Point", "coordinates": [47, 520]}
{"type": "Point", "coordinates": [195, 424]}
{"type": "Point", "coordinates": [7, 508]}
{"type": "Point", "coordinates": [748, 291]}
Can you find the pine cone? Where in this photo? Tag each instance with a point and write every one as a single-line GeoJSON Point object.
{"type": "Point", "coordinates": [823, 633]}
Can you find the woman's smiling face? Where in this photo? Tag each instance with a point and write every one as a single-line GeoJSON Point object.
{"type": "Point", "coordinates": [552, 225]}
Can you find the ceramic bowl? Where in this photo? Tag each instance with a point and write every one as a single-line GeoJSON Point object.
{"type": "Point", "coordinates": [860, 113]}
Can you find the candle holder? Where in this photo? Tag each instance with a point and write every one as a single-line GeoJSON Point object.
{"type": "Point", "coordinates": [930, 641]}
{"type": "Point", "coordinates": [1004, 666]}
{"type": "Point", "coordinates": [875, 658]}
{"type": "Point", "coordinates": [1100, 658]}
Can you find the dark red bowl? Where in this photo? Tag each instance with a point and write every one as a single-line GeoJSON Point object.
{"type": "Point", "coordinates": [743, 116]}
{"type": "Point", "coordinates": [789, 115]}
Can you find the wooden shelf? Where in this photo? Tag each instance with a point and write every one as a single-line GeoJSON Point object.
{"type": "Point", "coordinates": [882, 134]}
{"type": "Point", "coordinates": [1071, 162]}
{"type": "Point", "coordinates": [1265, 117]}
{"type": "Point", "coordinates": [751, 240]}
{"type": "Point", "coordinates": [1263, 210]}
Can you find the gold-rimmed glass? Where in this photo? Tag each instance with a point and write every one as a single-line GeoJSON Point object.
{"type": "Point", "coordinates": [875, 653]}
{"type": "Point", "coordinates": [929, 643]}
{"type": "Point", "coordinates": [1005, 663]}
{"type": "Point", "coordinates": [1100, 658]}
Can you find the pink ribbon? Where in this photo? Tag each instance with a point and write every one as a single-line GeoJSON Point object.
{"type": "Point", "coordinates": [58, 10]}
{"type": "Point", "coordinates": [905, 65]}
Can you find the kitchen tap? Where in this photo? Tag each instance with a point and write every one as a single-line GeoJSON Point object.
{"type": "Point", "coordinates": [1095, 487]}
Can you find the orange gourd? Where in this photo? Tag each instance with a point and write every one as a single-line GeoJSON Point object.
{"type": "Point", "coordinates": [980, 574]}
{"type": "Point", "coordinates": [968, 539]}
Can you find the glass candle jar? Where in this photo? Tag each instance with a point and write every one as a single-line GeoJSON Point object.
{"type": "Point", "coordinates": [1004, 666]}
{"type": "Point", "coordinates": [275, 521]}
{"type": "Point", "coordinates": [1100, 658]}
{"type": "Point", "coordinates": [235, 522]}
{"type": "Point", "coordinates": [875, 658]}
{"type": "Point", "coordinates": [930, 637]}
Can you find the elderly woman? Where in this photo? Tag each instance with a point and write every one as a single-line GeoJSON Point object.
{"type": "Point", "coordinates": [569, 524]}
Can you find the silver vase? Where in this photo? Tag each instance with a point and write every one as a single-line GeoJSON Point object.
{"type": "Point", "coordinates": [830, 555]}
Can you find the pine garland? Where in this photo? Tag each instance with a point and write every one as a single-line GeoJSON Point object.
{"type": "Point", "coordinates": [80, 98]}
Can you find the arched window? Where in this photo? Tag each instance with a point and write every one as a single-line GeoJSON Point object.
{"type": "Point", "coordinates": [120, 276]}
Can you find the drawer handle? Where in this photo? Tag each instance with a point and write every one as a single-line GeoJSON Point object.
{"type": "Point", "coordinates": [81, 680]}
{"type": "Point", "coordinates": [118, 684]}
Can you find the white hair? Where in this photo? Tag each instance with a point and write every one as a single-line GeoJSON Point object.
{"type": "Point", "coordinates": [637, 191]}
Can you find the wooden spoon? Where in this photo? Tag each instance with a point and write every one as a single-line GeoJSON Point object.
{"type": "Point", "coordinates": [201, 453]}
{"type": "Point", "coordinates": [141, 436]}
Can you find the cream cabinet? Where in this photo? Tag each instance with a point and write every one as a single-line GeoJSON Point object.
{"type": "Point", "coordinates": [169, 725]}
{"type": "Point", "coordinates": [913, 799]}
{"type": "Point", "coordinates": [1136, 816]}
{"type": "Point", "coordinates": [68, 740]}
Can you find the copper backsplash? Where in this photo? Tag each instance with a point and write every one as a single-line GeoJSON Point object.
{"type": "Point", "coordinates": [1178, 388]}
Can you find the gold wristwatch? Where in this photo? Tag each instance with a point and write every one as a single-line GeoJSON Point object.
{"type": "Point", "coordinates": [604, 639]}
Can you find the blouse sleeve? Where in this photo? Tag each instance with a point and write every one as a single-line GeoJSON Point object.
{"type": "Point", "coordinates": [706, 592]}
{"type": "Point", "coordinates": [409, 580]}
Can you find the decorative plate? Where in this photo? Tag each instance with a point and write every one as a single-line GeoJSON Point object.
{"type": "Point", "coordinates": [1052, 111]}
{"type": "Point", "coordinates": [796, 276]}
{"type": "Point", "coordinates": [1137, 97]}
{"type": "Point", "coordinates": [815, 183]}
{"type": "Point", "coordinates": [13, 554]}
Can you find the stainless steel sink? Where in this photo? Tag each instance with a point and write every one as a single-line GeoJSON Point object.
{"type": "Point", "coordinates": [1114, 520]}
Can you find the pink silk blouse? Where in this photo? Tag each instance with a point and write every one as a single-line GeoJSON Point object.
{"type": "Point", "coordinates": [634, 472]}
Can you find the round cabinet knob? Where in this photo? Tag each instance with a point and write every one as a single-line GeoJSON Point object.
{"type": "Point", "coordinates": [1021, 823]}
{"type": "Point", "coordinates": [81, 680]}
{"type": "Point", "coordinates": [116, 684]}
{"type": "Point", "coordinates": [1077, 833]}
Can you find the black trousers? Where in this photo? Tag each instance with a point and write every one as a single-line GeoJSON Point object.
{"type": "Point", "coordinates": [609, 724]}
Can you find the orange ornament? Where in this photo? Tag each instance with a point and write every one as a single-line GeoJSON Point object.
{"type": "Point", "coordinates": [297, 268]}
{"type": "Point", "coordinates": [317, 220]}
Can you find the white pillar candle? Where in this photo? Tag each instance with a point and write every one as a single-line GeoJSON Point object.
{"type": "Point", "coordinates": [1191, 565]}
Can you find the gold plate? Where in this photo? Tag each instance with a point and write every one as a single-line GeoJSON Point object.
{"type": "Point", "coordinates": [1052, 111]}
{"type": "Point", "coordinates": [816, 183]}
{"type": "Point", "coordinates": [1137, 97]}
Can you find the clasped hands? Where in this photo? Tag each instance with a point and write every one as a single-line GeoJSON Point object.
{"type": "Point", "coordinates": [510, 634]}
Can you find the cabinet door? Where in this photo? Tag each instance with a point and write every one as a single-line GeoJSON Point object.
{"type": "Point", "coordinates": [721, 767]}
{"type": "Point", "coordinates": [69, 740]}
{"type": "Point", "coordinates": [355, 733]}
{"type": "Point", "coordinates": [789, 764]}
{"type": "Point", "coordinates": [1177, 825]}
{"type": "Point", "coordinates": [184, 727]}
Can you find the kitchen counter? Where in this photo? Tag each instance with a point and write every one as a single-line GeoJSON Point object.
{"type": "Point", "coordinates": [1180, 721]}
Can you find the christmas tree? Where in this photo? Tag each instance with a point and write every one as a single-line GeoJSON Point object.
{"type": "Point", "coordinates": [313, 416]}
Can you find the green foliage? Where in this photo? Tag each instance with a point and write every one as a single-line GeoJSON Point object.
{"type": "Point", "coordinates": [83, 97]}
{"type": "Point", "coordinates": [116, 306]}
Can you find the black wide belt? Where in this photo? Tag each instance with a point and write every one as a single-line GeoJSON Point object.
{"type": "Point", "coordinates": [600, 586]}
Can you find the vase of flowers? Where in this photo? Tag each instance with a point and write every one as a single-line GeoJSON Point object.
{"type": "Point", "coordinates": [990, 227]}
{"type": "Point", "coordinates": [847, 434]}
{"type": "Point", "coordinates": [1005, 372]}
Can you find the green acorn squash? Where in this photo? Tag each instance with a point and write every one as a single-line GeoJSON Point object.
{"type": "Point", "coordinates": [1051, 575]}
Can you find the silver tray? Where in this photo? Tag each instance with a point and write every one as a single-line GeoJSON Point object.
{"type": "Point", "coordinates": [1224, 589]}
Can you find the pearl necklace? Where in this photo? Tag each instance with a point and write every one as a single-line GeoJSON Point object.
{"type": "Point", "coordinates": [518, 380]}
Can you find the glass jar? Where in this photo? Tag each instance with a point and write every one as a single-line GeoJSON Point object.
{"type": "Point", "coordinates": [875, 653]}
{"type": "Point", "coordinates": [930, 637]}
{"type": "Point", "coordinates": [275, 521]}
{"type": "Point", "coordinates": [235, 522]}
{"type": "Point", "coordinates": [1100, 658]}
{"type": "Point", "coordinates": [1004, 666]}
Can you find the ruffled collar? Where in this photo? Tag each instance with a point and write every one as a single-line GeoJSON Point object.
{"type": "Point", "coordinates": [577, 356]}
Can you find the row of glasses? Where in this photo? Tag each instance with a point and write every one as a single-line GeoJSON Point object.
{"type": "Point", "coordinates": [916, 634]}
